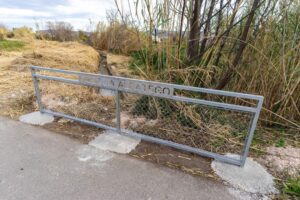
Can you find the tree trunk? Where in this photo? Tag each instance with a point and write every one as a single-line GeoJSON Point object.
{"type": "Point", "coordinates": [225, 78]}
{"type": "Point", "coordinates": [216, 33]}
{"type": "Point", "coordinates": [193, 44]}
{"type": "Point", "coordinates": [207, 28]}
{"type": "Point", "coordinates": [180, 30]}
{"type": "Point", "coordinates": [219, 18]}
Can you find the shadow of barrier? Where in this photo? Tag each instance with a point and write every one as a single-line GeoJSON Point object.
{"type": "Point", "coordinates": [179, 94]}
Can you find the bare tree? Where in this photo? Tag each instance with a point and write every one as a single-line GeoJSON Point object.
{"type": "Point", "coordinates": [225, 78]}
{"type": "Point", "coordinates": [61, 31]}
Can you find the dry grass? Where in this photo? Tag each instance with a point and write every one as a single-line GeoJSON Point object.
{"type": "Point", "coordinates": [68, 55]}
{"type": "Point", "coordinates": [119, 65]}
{"type": "Point", "coordinates": [16, 85]}
{"type": "Point", "coordinates": [117, 38]}
{"type": "Point", "coordinates": [3, 32]}
{"type": "Point", "coordinates": [23, 33]}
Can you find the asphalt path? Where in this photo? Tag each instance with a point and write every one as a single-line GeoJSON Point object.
{"type": "Point", "coordinates": [38, 164]}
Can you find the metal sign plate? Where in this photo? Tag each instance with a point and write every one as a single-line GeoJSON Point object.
{"type": "Point", "coordinates": [128, 85]}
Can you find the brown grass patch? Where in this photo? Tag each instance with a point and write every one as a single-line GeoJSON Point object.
{"type": "Point", "coordinates": [16, 84]}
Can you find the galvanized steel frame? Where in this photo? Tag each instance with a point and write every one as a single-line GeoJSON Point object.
{"type": "Point", "coordinates": [254, 111]}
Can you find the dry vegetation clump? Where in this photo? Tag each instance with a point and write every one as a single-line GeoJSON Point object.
{"type": "Point", "coordinates": [16, 84]}
{"type": "Point", "coordinates": [17, 103]}
{"type": "Point", "coordinates": [119, 65]}
{"type": "Point", "coordinates": [117, 37]}
{"type": "Point", "coordinates": [253, 50]}
{"type": "Point", "coordinates": [3, 32]}
{"type": "Point", "coordinates": [68, 55]}
{"type": "Point", "coordinates": [78, 101]}
{"type": "Point", "coordinates": [23, 33]}
{"type": "Point", "coordinates": [214, 130]}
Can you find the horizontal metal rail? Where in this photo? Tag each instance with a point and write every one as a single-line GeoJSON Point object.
{"type": "Point", "coordinates": [179, 87]}
{"type": "Point", "coordinates": [133, 134]}
{"type": "Point", "coordinates": [177, 98]}
{"type": "Point", "coordinates": [96, 80]}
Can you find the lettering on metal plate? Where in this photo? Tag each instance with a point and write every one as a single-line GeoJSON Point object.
{"type": "Point", "coordinates": [135, 86]}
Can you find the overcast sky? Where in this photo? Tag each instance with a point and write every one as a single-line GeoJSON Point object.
{"type": "Point", "coordinates": [16, 13]}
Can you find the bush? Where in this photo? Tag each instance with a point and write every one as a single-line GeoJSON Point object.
{"type": "Point", "coordinates": [117, 37]}
{"type": "Point", "coordinates": [60, 31]}
{"type": "Point", "coordinates": [10, 34]}
{"type": "Point", "coordinates": [83, 37]}
{"type": "Point", "coordinates": [21, 33]}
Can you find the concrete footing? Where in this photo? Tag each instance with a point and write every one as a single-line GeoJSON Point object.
{"type": "Point", "coordinates": [36, 118]}
{"type": "Point", "coordinates": [252, 178]}
{"type": "Point", "coordinates": [110, 141]}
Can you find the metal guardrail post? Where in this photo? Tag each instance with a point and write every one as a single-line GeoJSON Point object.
{"type": "Point", "coordinates": [118, 110]}
{"type": "Point", "coordinates": [37, 90]}
{"type": "Point", "coordinates": [251, 132]}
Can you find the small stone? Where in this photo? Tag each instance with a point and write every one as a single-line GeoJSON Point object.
{"type": "Point", "coordinates": [64, 121]}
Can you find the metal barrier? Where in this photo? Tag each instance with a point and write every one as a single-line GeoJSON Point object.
{"type": "Point", "coordinates": [152, 89]}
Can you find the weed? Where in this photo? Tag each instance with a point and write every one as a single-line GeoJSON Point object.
{"type": "Point", "coordinates": [11, 45]}
{"type": "Point", "coordinates": [292, 187]}
{"type": "Point", "coordinates": [280, 143]}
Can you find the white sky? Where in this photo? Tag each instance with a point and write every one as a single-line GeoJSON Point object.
{"type": "Point", "coordinates": [16, 13]}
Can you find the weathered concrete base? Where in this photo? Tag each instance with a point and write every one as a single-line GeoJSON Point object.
{"type": "Point", "coordinates": [110, 141]}
{"type": "Point", "coordinates": [36, 118]}
{"type": "Point", "coordinates": [251, 178]}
